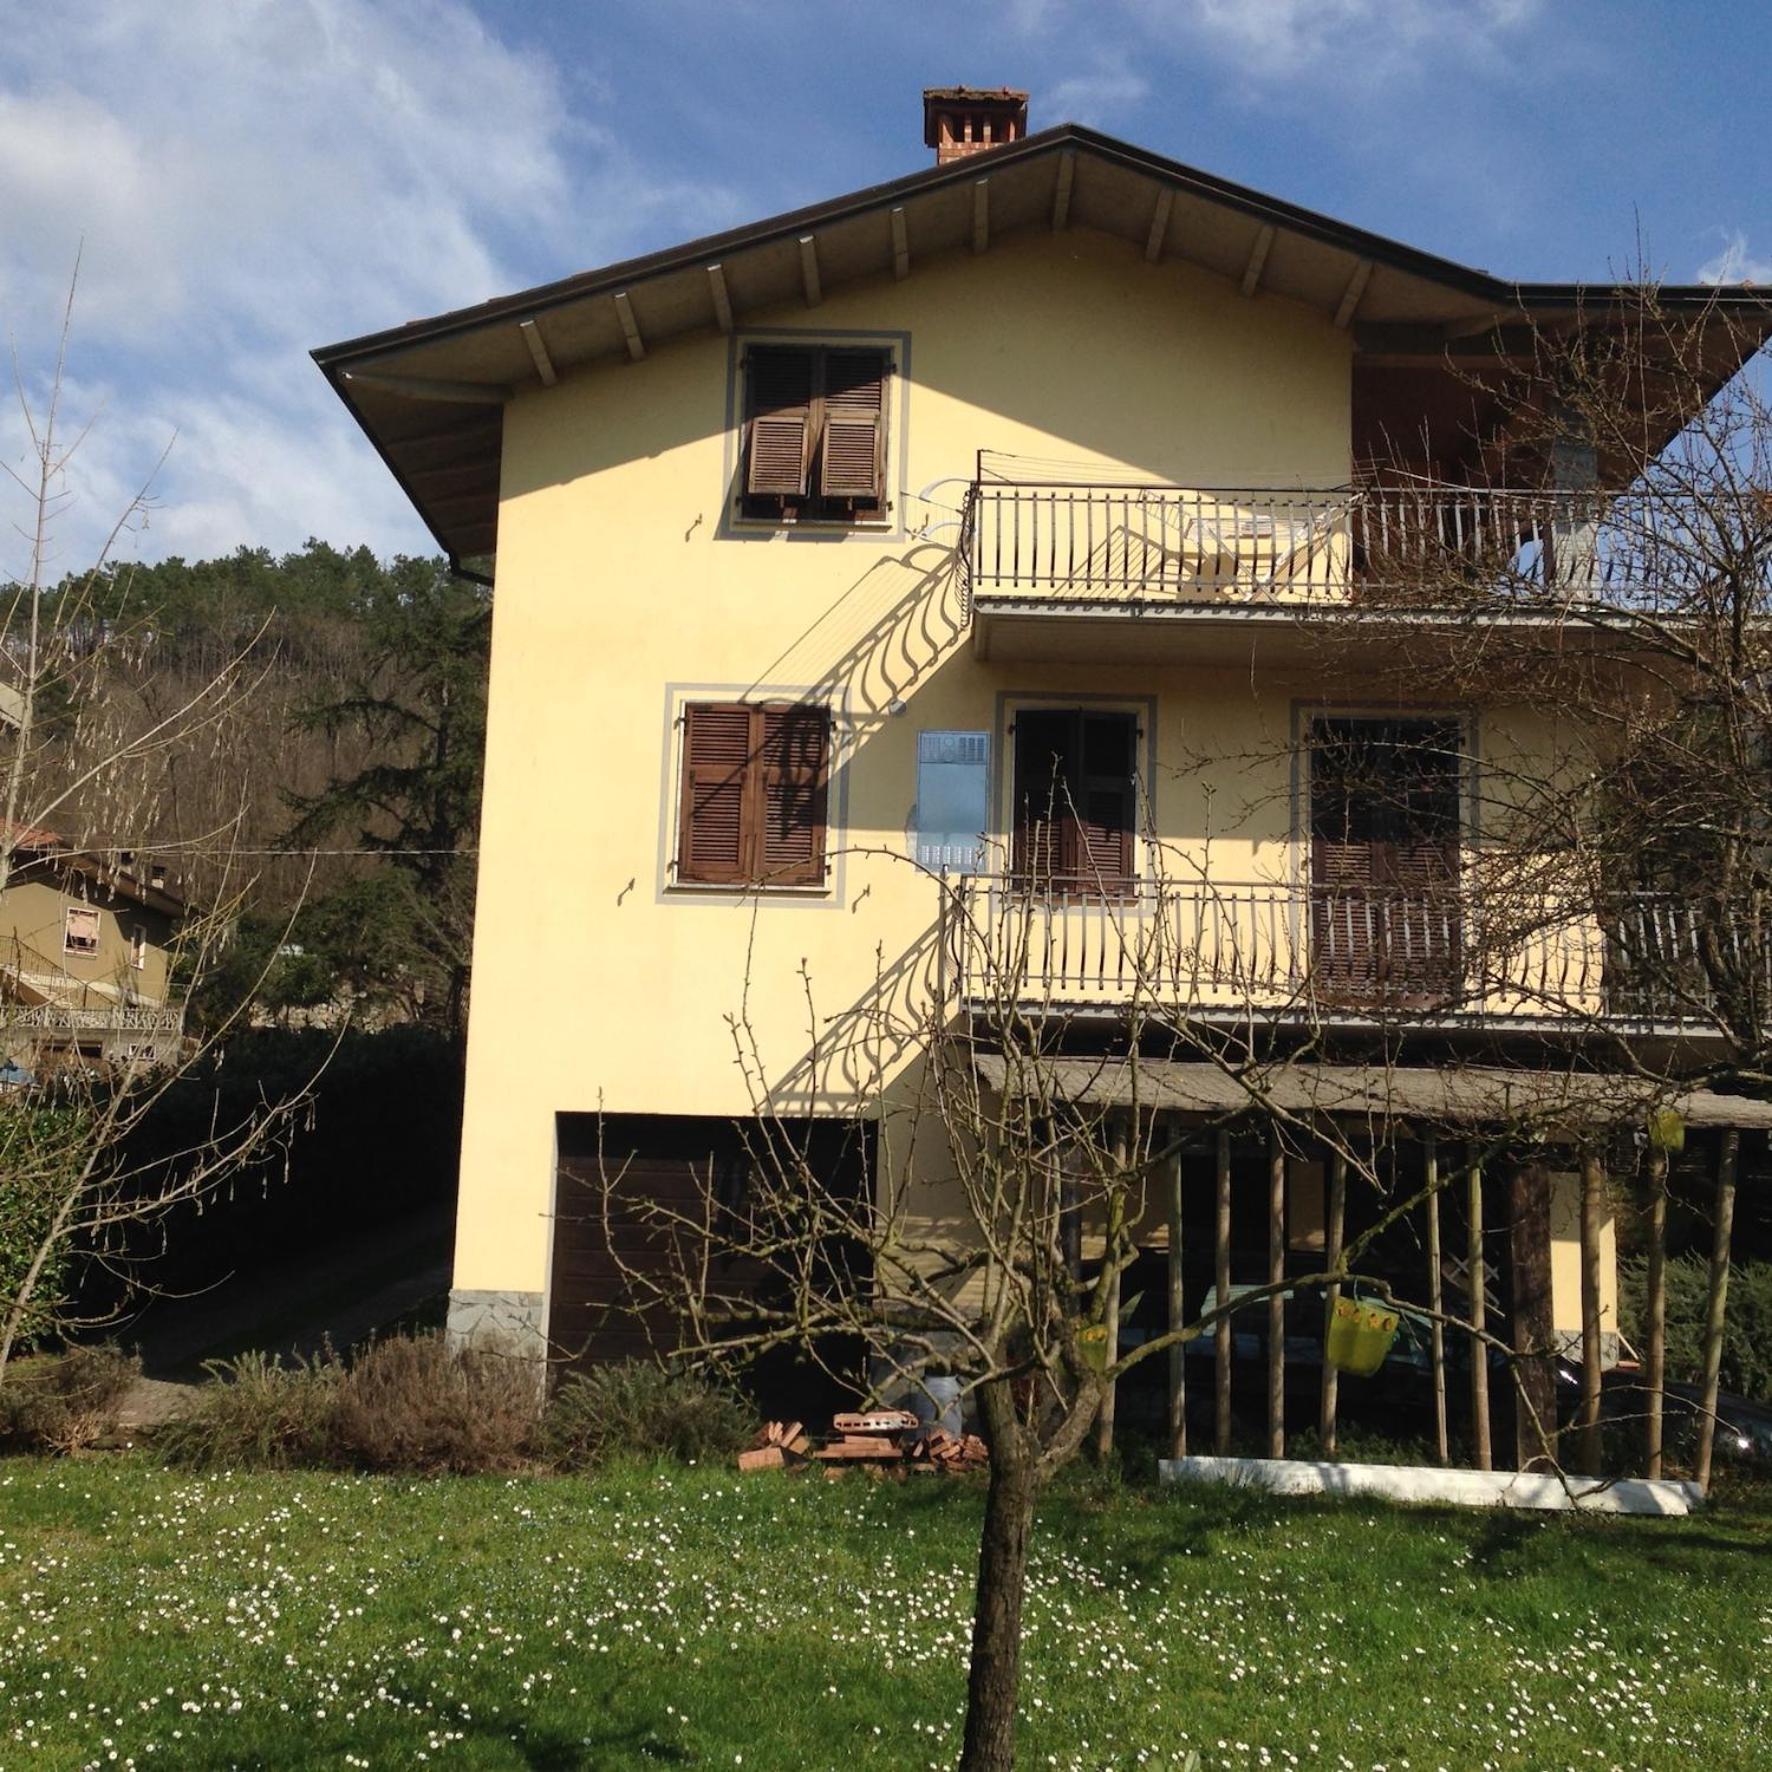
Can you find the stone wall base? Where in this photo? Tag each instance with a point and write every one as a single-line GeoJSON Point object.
{"type": "Point", "coordinates": [508, 1321]}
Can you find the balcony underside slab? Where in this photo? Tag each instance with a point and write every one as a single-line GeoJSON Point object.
{"type": "Point", "coordinates": [1276, 635]}
{"type": "Point", "coordinates": [1546, 1103]}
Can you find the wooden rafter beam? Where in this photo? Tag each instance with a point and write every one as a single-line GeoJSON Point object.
{"type": "Point", "coordinates": [981, 215]}
{"type": "Point", "coordinates": [901, 245]}
{"type": "Point", "coordinates": [424, 387]}
{"type": "Point", "coordinates": [1153, 247]}
{"type": "Point", "coordinates": [809, 270]}
{"type": "Point", "coordinates": [1405, 341]}
{"type": "Point", "coordinates": [1264, 244]}
{"type": "Point", "coordinates": [1061, 197]}
{"type": "Point", "coordinates": [1350, 297]}
{"type": "Point", "coordinates": [1474, 327]}
{"type": "Point", "coordinates": [462, 501]}
{"type": "Point", "coordinates": [630, 328]}
{"type": "Point", "coordinates": [718, 295]}
{"type": "Point", "coordinates": [538, 352]}
{"type": "Point", "coordinates": [456, 475]}
{"type": "Point", "coordinates": [480, 430]}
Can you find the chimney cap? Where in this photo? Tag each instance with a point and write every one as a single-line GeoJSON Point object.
{"type": "Point", "coordinates": [1007, 103]}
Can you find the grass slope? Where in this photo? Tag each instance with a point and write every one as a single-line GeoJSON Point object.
{"type": "Point", "coordinates": [678, 1617]}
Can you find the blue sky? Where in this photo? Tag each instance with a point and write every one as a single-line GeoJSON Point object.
{"type": "Point", "coordinates": [248, 178]}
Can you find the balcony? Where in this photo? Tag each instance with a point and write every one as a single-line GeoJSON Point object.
{"type": "Point", "coordinates": [1049, 556]}
{"type": "Point", "coordinates": [121, 1018]}
{"type": "Point", "coordinates": [1652, 960]}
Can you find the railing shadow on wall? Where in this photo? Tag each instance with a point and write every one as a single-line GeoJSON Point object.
{"type": "Point", "coordinates": [894, 627]}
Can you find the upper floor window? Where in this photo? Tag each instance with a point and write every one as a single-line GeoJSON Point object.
{"type": "Point", "coordinates": [754, 793]}
{"type": "Point", "coordinates": [138, 948]}
{"type": "Point", "coordinates": [815, 434]}
{"type": "Point", "coordinates": [1075, 798]}
{"type": "Point", "coordinates": [80, 930]}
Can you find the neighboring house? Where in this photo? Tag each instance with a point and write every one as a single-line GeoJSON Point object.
{"type": "Point", "coordinates": [85, 956]}
{"type": "Point", "coordinates": [873, 535]}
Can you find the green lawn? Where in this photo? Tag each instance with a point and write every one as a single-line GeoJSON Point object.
{"type": "Point", "coordinates": [688, 1617]}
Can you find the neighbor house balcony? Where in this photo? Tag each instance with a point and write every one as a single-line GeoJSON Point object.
{"type": "Point", "coordinates": [1334, 953]}
{"type": "Point", "coordinates": [1117, 569]}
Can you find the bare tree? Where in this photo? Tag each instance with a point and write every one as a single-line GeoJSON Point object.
{"type": "Point", "coordinates": [1010, 1194]}
{"type": "Point", "coordinates": [83, 756]}
{"type": "Point", "coordinates": [1620, 888]}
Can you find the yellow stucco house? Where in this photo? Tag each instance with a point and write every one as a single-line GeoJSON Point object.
{"type": "Point", "coordinates": [85, 956]}
{"type": "Point", "coordinates": [856, 566]}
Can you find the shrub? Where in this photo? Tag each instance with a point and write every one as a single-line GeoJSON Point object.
{"type": "Point", "coordinates": [1747, 1330]}
{"type": "Point", "coordinates": [257, 1413]}
{"type": "Point", "coordinates": [413, 1403]}
{"type": "Point", "coordinates": [646, 1410]}
{"type": "Point", "coordinates": [65, 1402]}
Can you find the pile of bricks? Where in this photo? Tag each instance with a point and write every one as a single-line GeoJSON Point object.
{"type": "Point", "coordinates": [886, 1440]}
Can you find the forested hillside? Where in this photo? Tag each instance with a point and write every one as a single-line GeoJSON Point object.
{"type": "Point", "coordinates": [335, 802]}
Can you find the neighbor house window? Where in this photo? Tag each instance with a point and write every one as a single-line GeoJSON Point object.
{"type": "Point", "coordinates": [814, 433]}
{"type": "Point", "coordinates": [953, 800]}
{"type": "Point", "coordinates": [754, 791]}
{"type": "Point", "coordinates": [138, 948]}
{"type": "Point", "coordinates": [80, 931]}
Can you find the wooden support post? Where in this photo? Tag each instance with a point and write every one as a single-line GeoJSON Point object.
{"type": "Point", "coordinates": [1177, 1307]}
{"type": "Point", "coordinates": [1533, 1330]}
{"type": "Point", "coordinates": [1221, 1338]}
{"type": "Point", "coordinates": [1655, 1355]}
{"type": "Point", "coordinates": [1334, 1237]}
{"type": "Point", "coordinates": [1717, 1300]}
{"type": "Point", "coordinates": [1593, 1207]}
{"type": "Point", "coordinates": [1477, 1281]}
{"type": "Point", "coordinates": [1276, 1303]}
{"type": "Point", "coordinates": [1070, 1214]}
{"type": "Point", "coordinates": [1116, 1203]}
{"type": "Point", "coordinates": [1435, 1300]}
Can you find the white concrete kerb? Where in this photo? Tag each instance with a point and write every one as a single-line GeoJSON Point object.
{"type": "Point", "coordinates": [1428, 1483]}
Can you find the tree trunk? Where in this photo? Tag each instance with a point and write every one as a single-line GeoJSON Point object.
{"type": "Point", "coordinates": [994, 1681]}
{"type": "Point", "coordinates": [1534, 1336]}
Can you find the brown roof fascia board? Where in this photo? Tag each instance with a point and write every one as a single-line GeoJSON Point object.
{"type": "Point", "coordinates": [1258, 205]}
{"type": "Point", "coordinates": [1255, 204]}
{"type": "Point", "coordinates": [1525, 300]}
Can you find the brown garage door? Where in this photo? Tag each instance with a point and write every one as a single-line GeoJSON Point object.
{"type": "Point", "coordinates": [610, 1165]}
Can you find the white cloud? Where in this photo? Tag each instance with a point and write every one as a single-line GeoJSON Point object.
{"type": "Point", "coordinates": [1103, 96]}
{"type": "Point", "coordinates": [1350, 43]}
{"type": "Point", "coordinates": [1734, 263]}
{"type": "Point", "coordinates": [251, 178]}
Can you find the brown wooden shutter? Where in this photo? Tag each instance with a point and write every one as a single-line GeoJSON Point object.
{"type": "Point", "coordinates": [852, 459]}
{"type": "Point", "coordinates": [1346, 913]}
{"type": "Point", "coordinates": [1105, 795]}
{"type": "Point", "coordinates": [778, 405]}
{"type": "Point", "coordinates": [1075, 798]}
{"type": "Point", "coordinates": [1385, 908]}
{"type": "Point", "coordinates": [793, 789]}
{"type": "Point", "coordinates": [1038, 853]}
{"type": "Point", "coordinates": [717, 751]}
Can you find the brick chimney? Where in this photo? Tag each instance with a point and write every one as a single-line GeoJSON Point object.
{"type": "Point", "coordinates": [963, 120]}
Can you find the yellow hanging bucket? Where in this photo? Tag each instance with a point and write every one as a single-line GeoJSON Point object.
{"type": "Point", "coordinates": [1360, 1335]}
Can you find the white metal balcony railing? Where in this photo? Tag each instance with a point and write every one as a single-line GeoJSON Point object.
{"type": "Point", "coordinates": [1096, 542]}
{"type": "Point", "coordinates": [1245, 944]}
{"type": "Point", "coordinates": [122, 1018]}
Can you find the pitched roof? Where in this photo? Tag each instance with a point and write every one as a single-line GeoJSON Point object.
{"type": "Point", "coordinates": [429, 393]}
{"type": "Point", "coordinates": [37, 844]}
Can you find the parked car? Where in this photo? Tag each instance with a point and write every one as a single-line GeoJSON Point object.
{"type": "Point", "coordinates": [1744, 1427]}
